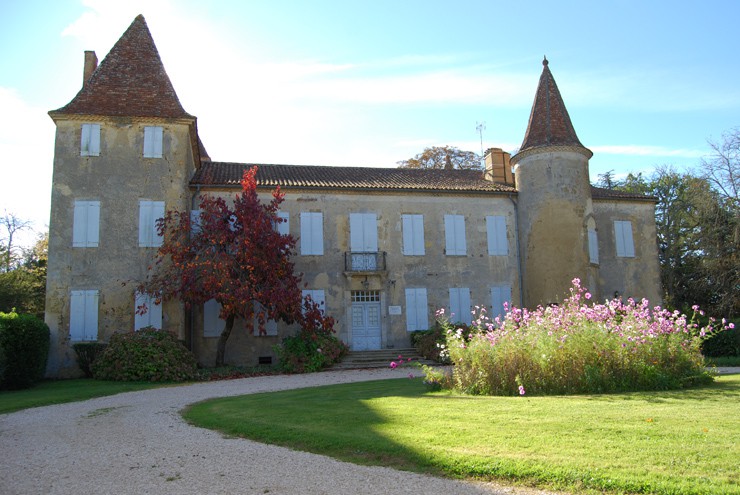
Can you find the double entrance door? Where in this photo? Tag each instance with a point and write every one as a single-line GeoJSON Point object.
{"type": "Point", "coordinates": [365, 320]}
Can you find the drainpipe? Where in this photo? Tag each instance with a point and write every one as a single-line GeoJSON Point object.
{"type": "Point", "coordinates": [518, 251]}
{"type": "Point", "coordinates": [191, 320]}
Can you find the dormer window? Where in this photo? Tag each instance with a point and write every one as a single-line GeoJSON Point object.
{"type": "Point", "coordinates": [90, 140]}
{"type": "Point", "coordinates": [152, 142]}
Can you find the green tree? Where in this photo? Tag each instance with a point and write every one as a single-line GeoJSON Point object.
{"type": "Point", "coordinates": [443, 157]}
{"type": "Point", "coordinates": [24, 287]}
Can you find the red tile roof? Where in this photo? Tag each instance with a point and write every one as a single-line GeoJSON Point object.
{"type": "Point", "coordinates": [352, 178]}
{"type": "Point", "coordinates": [602, 193]}
{"type": "Point", "coordinates": [130, 82]}
{"type": "Point", "coordinates": [549, 122]}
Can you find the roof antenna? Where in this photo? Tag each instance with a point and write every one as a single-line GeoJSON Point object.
{"type": "Point", "coordinates": [480, 127]}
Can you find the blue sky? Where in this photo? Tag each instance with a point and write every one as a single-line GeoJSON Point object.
{"type": "Point", "coordinates": [372, 83]}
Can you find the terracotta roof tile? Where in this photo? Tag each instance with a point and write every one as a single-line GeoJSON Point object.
{"type": "Point", "coordinates": [549, 122]}
{"type": "Point", "coordinates": [130, 81]}
{"type": "Point", "coordinates": [602, 193]}
{"type": "Point", "coordinates": [363, 178]}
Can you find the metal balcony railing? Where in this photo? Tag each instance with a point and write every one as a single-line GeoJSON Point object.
{"type": "Point", "coordinates": [364, 262]}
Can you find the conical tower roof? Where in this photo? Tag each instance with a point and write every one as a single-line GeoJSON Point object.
{"type": "Point", "coordinates": [130, 82]}
{"type": "Point", "coordinates": [549, 123]}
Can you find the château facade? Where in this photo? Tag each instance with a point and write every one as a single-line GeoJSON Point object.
{"type": "Point", "coordinates": [381, 248]}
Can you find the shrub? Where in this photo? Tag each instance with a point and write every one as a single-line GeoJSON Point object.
{"type": "Point", "coordinates": [87, 353]}
{"type": "Point", "coordinates": [722, 344]}
{"type": "Point", "coordinates": [579, 348]}
{"type": "Point", "coordinates": [431, 343]}
{"type": "Point", "coordinates": [24, 349]}
{"type": "Point", "coordinates": [146, 355]}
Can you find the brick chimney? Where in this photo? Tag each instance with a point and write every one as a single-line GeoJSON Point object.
{"type": "Point", "coordinates": [498, 168]}
{"type": "Point", "coordinates": [91, 63]}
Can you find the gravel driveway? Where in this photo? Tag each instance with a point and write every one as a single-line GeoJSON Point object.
{"type": "Point", "coordinates": [137, 443]}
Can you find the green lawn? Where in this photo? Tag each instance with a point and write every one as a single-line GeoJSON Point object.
{"type": "Point", "coordinates": [60, 391]}
{"type": "Point", "coordinates": [680, 442]}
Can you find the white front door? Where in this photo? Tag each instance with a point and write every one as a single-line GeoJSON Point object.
{"type": "Point", "coordinates": [365, 321]}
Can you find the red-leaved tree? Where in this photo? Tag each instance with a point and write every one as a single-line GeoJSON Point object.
{"type": "Point", "coordinates": [235, 255]}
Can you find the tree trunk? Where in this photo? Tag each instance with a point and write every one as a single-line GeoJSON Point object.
{"type": "Point", "coordinates": [221, 349]}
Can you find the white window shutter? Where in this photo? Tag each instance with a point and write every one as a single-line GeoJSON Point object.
{"type": "Point", "coordinates": [153, 142]}
{"type": "Point", "coordinates": [416, 309]}
{"type": "Point", "coordinates": [593, 246]}
{"type": "Point", "coordinates": [623, 238]}
{"type": "Point", "coordinates": [90, 140]}
{"type": "Point", "coordinates": [149, 213]}
{"type": "Point", "coordinates": [317, 296]}
{"type": "Point", "coordinates": [283, 228]}
{"type": "Point", "coordinates": [79, 224]}
{"type": "Point", "coordinates": [363, 232]}
{"type": "Point", "coordinates": [500, 294]}
{"type": "Point", "coordinates": [212, 324]}
{"type": "Point", "coordinates": [312, 233]}
{"type": "Point", "coordinates": [153, 315]}
{"type": "Point", "coordinates": [86, 224]}
{"type": "Point", "coordinates": [498, 244]}
{"type": "Point", "coordinates": [413, 235]}
{"type": "Point", "coordinates": [455, 242]}
{"type": "Point", "coordinates": [83, 315]}
{"type": "Point", "coordinates": [460, 305]}
{"type": "Point", "coordinates": [195, 221]}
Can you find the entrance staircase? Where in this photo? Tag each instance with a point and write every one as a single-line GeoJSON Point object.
{"type": "Point", "coordinates": [378, 359]}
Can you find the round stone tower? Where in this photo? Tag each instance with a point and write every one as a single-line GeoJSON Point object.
{"type": "Point", "coordinates": [554, 199]}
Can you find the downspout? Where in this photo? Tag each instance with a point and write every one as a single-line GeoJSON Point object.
{"type": "Point", "coordinates": [518, 251]}
{"type": "Point", "coordinates": [191, 322]}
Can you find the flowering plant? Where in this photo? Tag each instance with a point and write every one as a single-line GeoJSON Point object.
{"type": "Point", "coordinates": [580, 347]}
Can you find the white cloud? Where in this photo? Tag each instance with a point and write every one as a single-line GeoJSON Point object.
{"type": "Point", "coordinates": [27, 147]}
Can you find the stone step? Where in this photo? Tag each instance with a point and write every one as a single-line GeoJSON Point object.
{"type": "Point", "coordinates": [378, 359]}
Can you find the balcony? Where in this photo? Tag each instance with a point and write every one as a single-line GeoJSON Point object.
{"type": "Point", "coordinates": [364, 262]}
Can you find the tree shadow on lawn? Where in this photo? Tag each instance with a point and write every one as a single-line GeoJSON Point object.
{"type": "Point", "coordinates": [724, 387]}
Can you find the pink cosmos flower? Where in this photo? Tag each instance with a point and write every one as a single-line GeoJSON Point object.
{"type": "Point", "coordinates": [394, 364]}
{"type": "Point", "coordinates": [521, 390]}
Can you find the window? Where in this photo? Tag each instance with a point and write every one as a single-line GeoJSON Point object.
{"type": "Point", "coordinates": [90, 140]}
{"type": "Point", "coordinates": [413, 235]}
{"type": "Point", "coordinates": [152, 142]}
{"type": "Point", "coordinates": [153, 315]}
{"type": "Point", "coordinates": [86, 224]}
{"type": "Point", "coordinates": [416, 310]}
{"type": "Point", "coordinates": [283, 227]}
{"type": "Point", "coordinates": [498, 245]}
{"type": "Point", "coordinates": [593, 246]}
{"type": "Point", "coordinates": [312, 233]}
{"type": "Point", "coordinates": [270, 325]}
{"type": "Point", "coordinates": [460, 305]}
{"type": "Point", "coordinates": [363, 232]}
{"type": "Point", "coordinates": [317, 296]}
{"type": "Point", "coordinates": [212, 324]}
{"type": "Point", "coordinates": [195, 222]}
{"type": "Point", "coordinates": [623, 238]}
{"type": "Point", "coordinates": [149, 213]}
{"type": "Point", "coordinates": [83, 315]}
{"type": "Point", "coordinates": [500, 294]}
{"type": "Point", "coordinates": [455, 235]}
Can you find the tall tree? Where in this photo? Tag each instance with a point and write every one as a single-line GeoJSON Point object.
{"type": "Point", "coordinates": [24, 287]}
{"type": "Point", "coordinates": [443, 157]}
{"type": "Point", "coordinates": [12, 224]}
{"type": "Point", "coordinates": [235, 255]}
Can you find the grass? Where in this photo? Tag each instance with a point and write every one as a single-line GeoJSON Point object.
{"type": "Point", "coordinates": [673, 442]}
{"type": "Point", "coordinates": [50, 392]}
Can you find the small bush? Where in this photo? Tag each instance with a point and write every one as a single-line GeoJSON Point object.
{"type": "Point", "coordinates": [723, 344]}
{"type": "Point", "coordinates": [146, 355]}
{"type": "Point", "coordinates": [431, 344]}
{"type": "Point", "coordinates": [24, 349]}
{"type": "Point", "coordinates": [579, 347]}
{"type": "Point", "coordinates": [87, 353]}
{"type": "Point", "coordinates": [307, 352]}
